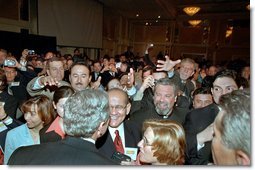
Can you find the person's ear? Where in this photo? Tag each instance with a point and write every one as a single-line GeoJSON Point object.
{"type": "Point", "coordinates": [102, 128]}
{"type": "Point", "coordinates": [128, 108]}
{"type": "Point", "coordinates": [99, 133]}
{"type": "Point", "coordinates": [54, 105]}
{"type": "Point", "coordinates": [242, 158]}
{"type": "Point", "coordinates": [90, 78]}
{"type": "Point", "coordinates": [48, 72]}
{"type": "Point", "coordinates": [192, 73]}
{"type": "Point", "coordinates": [175, 98]}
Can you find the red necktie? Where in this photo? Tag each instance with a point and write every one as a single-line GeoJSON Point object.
{"type": "Point", "coordinates": [117, 142]}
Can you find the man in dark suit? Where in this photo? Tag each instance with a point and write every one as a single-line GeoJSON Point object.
{"type": "Point", "coordinates": [96, 70]}
{"type": "Point", "coordinates": [128, 131]}
{"type": "Point", "coordinates": [165, 95]}
{"type": "Point", "coordinates": [86, 118]}
{"type": "Point", "coordinates": [109, 74]}
{"type": "Point", "coordinates": [199, 122]}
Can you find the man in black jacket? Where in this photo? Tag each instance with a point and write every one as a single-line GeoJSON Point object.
{"type": "Point", "coordinates": [86, 118]}
{"type": "Point", "coordinates": [129, 133]}
{"type": "Point", "coordinates": [165, 96]}
{"type": "Point", "coordinates": [199, 122]}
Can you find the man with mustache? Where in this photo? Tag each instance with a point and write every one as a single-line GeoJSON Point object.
{"type": "Point", "coordinates": [80, 77]}
{"type": "Point", "coordinates": [165, 96]}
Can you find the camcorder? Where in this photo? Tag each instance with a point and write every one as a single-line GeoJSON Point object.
{"type": "Point", "coordinates": [31, 52]}
{"type": "Point", "coordinates": [9, 63]}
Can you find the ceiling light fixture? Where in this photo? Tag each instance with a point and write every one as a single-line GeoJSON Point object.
{"type": "Point", "coordinates": [159, 16]}
{"type": "Point", "coordinates": [194, 22]}
{"type": "Point", "coordinates": [137, 15]}
{"type": "Point", "coordinates": [191, 10]}
{"type": "Point", "coordinates": [229, 32]}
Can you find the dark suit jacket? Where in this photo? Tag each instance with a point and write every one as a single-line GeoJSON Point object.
{"type": "Point", "coordinates": [93, 77]}
{"type": "Point", "coordinates": [70, 151]}
{"type": "Point", "coordinates": [178, 115]}
{"type": "Point", "coordinates": [18, 87]}
{"type": "Point", "coordinates": [106, 77]}
{"type": "Point", "coordinates": [132, 137]}
{"type": "Point", "coordinates": [145, 103]}
{"type": "Point", "coordinates": [11, 104]}
{"type": "Point", "coordinates": [196, 121]}
{"type": "Point", "coordinates": [51, 136]}
{"type": "Point", "coordinates": [186, 88]}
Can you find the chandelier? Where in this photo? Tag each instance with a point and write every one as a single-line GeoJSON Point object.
{"type": "Point", "coordinates": [191, 10]}
{"type": "Point", "coordinates": [194, 22]}
{"type": "Point", "coordinates": [229, 32]}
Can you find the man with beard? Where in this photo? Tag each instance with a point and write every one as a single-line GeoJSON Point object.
{"type": "Point", "coordinates": [165, 95]}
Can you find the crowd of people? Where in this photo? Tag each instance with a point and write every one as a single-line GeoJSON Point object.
{"type": "Point", "coordinates": [122, 110]}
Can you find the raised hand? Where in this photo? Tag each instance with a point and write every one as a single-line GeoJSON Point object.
{"type": "Point", "coordinates": [205, 135]}
{"type": "Point", "coordinates": [131, 78]}
{"type": "Point", "coordinates": [48, 80]}
{"type": "Point", "coordinates": [96, 84]}
{"type": "Point", "coordinates": [166, 65]}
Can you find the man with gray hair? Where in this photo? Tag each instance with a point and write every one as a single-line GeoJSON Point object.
{"type": "Point", "coordinates": [231, 143]}
{"type": "Point", "coordinates": [86, 118]}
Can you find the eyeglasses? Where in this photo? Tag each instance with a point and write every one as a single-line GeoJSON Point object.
{"type": "Point", "coordinates": [145, 142]}
{"type": "Point", "coordinates": [118, 108]}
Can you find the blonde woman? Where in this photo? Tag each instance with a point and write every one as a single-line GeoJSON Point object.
{"type": "Point", "coordinates": [163, 143]}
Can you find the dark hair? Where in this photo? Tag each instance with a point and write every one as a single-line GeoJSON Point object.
{"type": "Point", "coordinates": [96, 61]}
{"type": "Point", "coordinates": [81, 63]}
{"type": "Point", "coordinates": [3, 80]}
{"type": "Point", "coordinates": [44, 108]}
{"type": "Point", "coordinates": [207, 81]}
{"type": "Point", "coordinates": [148, 68]}
{"type": "Point", "coordinates": [226, 73]}
{"type": "Point", "coordinates": [242, 82]}
{"type": "Point", "coordinates": [202, 90]}
{"type": "Point", "coordinates": [62, 92]}
{"type": "Point", "coordinates": [54, 58]}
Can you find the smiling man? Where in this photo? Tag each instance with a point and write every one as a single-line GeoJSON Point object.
{"type": "Point", "coordinates": [127, 130]}
{"type": "Point", "coordinates": [165, 96]}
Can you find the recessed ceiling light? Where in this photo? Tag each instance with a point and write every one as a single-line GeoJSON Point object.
{"type": "Point", "coordinates": [137, 15]}
{"type": "Point", "coordinates": [159, 16]}
{"type": "Point", "coordinates": [146, 23]}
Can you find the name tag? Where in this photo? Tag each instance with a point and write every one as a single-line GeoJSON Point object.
{"type": "Point", "coordinates": [132, 152]}
{"type": "Point", "coordinates": [15, 83]}
{"type": "Point", "coordinates": [2, 127]}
